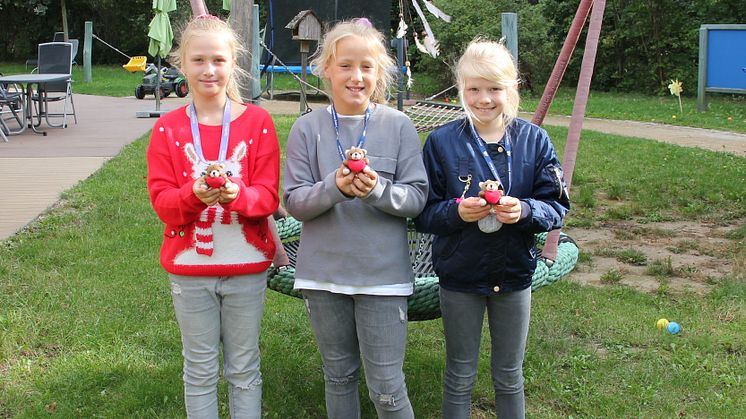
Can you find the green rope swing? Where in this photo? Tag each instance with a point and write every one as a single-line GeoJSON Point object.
{"type": "Point", "coordinates": [424, 303]}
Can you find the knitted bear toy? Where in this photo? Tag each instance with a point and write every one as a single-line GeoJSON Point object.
{"type": "Point", "coordinates": [491, 191]}
{"type": "Point", "coordinates": [215, 175]}
{"type": "Point", "coordinates": [356, 160]}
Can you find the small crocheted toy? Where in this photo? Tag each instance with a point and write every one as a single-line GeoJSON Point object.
{"type": "Point", "coordinates": [215, 176]}
{"type": "Point", "coordinates": [356, 160]}
{"type": "Point", "coordinates": [491, 191]}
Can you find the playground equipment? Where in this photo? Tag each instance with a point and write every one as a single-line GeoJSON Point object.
{"type": "Point", "coordinates": [137, 63]}
{"type": "Point", "coordinates": [424, 303]}
{"type": "Point", "coordinates": [171, 81]}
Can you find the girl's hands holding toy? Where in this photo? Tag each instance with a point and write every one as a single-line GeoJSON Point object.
{"type": "Point", "coordinates": [209, 196]}
{"type": "Point", "coordinates": [473, 209]}
{"type": "Point", "coordinates": [344, 181]}
{"type": "Point", "coordinates": [508, 210]}
{"type": "Point", "coordinates": [356, 184]}
{"type": "Point", "coordinates": [228, 192]}
{"type": "Point", "coordinates": [364, 182]}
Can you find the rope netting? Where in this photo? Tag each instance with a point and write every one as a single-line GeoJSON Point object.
{"type": "Point", "coordinates": [428, 115]}
{"type": "Point", "coordinates": [424, 303]}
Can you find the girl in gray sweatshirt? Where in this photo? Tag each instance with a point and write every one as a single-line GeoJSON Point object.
{"type": "Point", "coordinates": [353, 262]}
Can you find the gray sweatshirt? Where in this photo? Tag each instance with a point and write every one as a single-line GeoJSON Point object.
{"type": "Point", "coordinates": [353, 241]}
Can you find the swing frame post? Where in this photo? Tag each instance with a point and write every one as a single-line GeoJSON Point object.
{"type": "Point", "coordinates": [399, 44]}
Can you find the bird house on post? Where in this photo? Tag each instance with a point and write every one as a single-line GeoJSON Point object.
{"type": "Point", "coordinates": [307, 28]}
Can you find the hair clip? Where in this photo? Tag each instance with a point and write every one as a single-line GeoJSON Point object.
{"type": "Point", "coordinates": [362, 21]}
{"type": "Point", "coordinates": [208, 16]}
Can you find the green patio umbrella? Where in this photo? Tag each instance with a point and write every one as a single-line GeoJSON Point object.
{"type": "Point", "coordinates": [160, 33]}
{"type": "Point", "coordinates": [161, 40]}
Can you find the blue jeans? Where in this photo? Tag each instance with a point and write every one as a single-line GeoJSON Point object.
{"type": "Point", "coordinates": [211, 310]}
{"type": "Point", "coordinates": [508, 316]}
{"type": "Point", "coordinates": [348, 326]}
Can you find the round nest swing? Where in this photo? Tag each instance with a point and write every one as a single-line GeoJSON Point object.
{"type": "Point", "coordinates": [424, 303]}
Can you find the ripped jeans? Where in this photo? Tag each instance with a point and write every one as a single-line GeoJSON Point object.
{"type": "Point", "coordinates": [348, 326]}
{"type": "Point", "coordinates": [211, 310]}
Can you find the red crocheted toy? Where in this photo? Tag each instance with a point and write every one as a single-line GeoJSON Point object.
{"type": "Point", "coordinates": [356, 160]}
{"type": "Point", "coordinates": [491, 191]}
{"type": "Point", "coordinates": [215, 175]}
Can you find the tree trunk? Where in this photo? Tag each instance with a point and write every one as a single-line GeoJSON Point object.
{"type": "Point", "coordinates": [64, 19]}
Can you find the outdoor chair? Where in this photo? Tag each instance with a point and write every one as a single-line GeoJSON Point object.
{"type": "Point", "coordinates": [11, 108]}
{"type": "Point", "coordinates": [34, 61]}
{"type": "Point", "coordinates": [55, 57]}
{"type": "Point", "coordinates": [75, 43]}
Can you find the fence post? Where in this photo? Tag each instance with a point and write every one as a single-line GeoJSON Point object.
{"type": "Point", "coordinates": [87, 48]}
{"type": "Point", "coordinates": [702, 71]}
{"type": "Point", "coordinates": [398, 43]}
{"type": "Point", "coordinates": [510, 33]}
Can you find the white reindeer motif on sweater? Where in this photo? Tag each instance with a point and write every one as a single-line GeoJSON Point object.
{"type": "Point", "coordinates": [218, 234]}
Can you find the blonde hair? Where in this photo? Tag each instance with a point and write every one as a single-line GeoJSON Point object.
{"type": "Point", "coordinates": [491, 61]}
{"type": "Point", "coordinates": [204, 25]}
{"type": "Point", "coordinates": [374, 40]}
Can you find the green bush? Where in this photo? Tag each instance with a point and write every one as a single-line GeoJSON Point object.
{"type": "Point", "coordinates": [643, 45]}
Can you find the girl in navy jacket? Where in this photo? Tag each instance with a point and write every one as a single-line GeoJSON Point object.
{"type": "Point", "coordinates": [484, 251]}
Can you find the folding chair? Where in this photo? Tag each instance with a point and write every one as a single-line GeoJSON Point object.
{"type": "Point", "coordinates": [55, 57]}
{"type": "Point", "coordinates": [75, 44]}
{"type": "Point", "coordinates": [13, 101]}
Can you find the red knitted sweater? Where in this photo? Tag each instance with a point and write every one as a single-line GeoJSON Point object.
{"type": "Point", "coordinates": [223, 240]}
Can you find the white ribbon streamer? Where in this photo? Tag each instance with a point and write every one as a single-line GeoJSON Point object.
{"type": "Point", "coordinates": [437, 12]}
{"type": "Point", "coordinates": [431, 44]}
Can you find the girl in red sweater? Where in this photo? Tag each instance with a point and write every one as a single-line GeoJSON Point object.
{"type": "Point", "coordinates": [217, 242]}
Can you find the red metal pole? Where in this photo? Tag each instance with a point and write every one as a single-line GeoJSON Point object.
{"type": "Point", "coordinates": [198, 7]}
{"type": "Point", "coordinates": [578, 112]}
{"type": "Point", "coordinates": [562, 60]}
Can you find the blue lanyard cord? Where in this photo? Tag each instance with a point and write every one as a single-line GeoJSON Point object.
{"type": "Point", "coordinates": [223, 136]}
{"type": "Point", "coordinates": [360, 141]}
{"type": "Point", "coordinates": [483, 150]}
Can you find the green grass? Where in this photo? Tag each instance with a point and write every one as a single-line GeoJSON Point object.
{"type": "Point", "coordinates": [87, 328]}
{"type": "Point", "coordinates": [113, 80]}
{"type": "Point", "coordinates": [654, 182]}
{"type": "Point", "coordinates": [105, 80]}
{"type": "Point", "coordinates": [725, 112]}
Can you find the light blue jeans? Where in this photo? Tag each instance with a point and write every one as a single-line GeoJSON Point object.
{"type": "Point", "coordinates": [348, 326]}
{"type": "Point", "coordinates": [508, 316]}
{"type": "Point", "coordinates": [211, 310]}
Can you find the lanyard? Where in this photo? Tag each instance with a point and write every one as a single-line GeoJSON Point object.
{"type": "Point", "coordinates": [483, 150]}
{"type": "Point", "coordinates": [223, 136]}
{"type": "Point", "coordinates": [360, 141]}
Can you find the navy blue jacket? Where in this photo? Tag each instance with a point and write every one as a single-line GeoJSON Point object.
{"type": "Point", "coordinates": [465, 258]}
